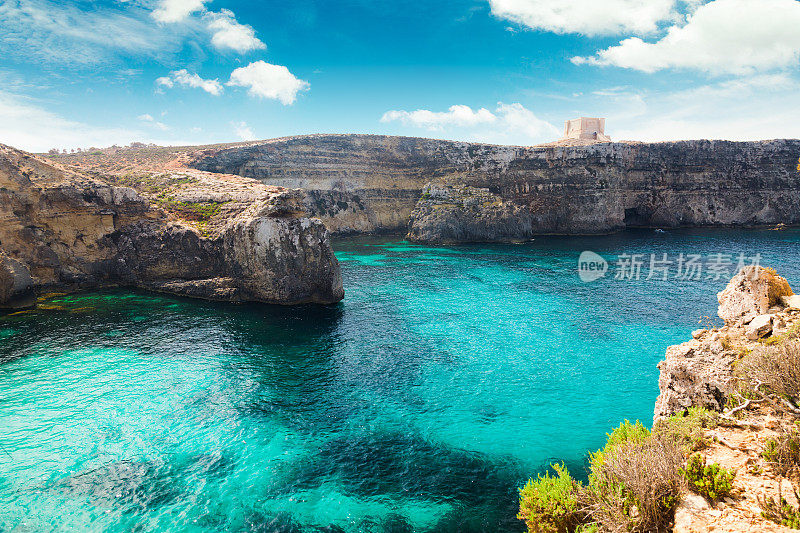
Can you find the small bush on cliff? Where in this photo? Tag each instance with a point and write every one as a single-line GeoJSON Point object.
{"type": "Point", "coordinates": [709, 480]}
{"type": "Point", "coordinates": [783, 453]}
{"type": "Point", "coordinates": [636, 486]}
{"type": "Point", "coordinates": [627, 432]}
{"type": "Point", "coordinates": [776, 367]}
{"type": "Point", "coordinates": [549, 504]}
{"type": "Point", "coordinates": [780, 511]}
{"type": "Point", "coordinates": [687, 429]}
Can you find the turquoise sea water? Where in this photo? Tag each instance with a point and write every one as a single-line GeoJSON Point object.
{"type": "Point", "coordinates": [446, 378]}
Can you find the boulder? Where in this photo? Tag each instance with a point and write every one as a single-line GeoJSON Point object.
{"type": "Point", "coordinates": [693, 374]}
{"type": "Point", "coordinates": [753, 291]}
{"type": "Point", "coordinates": [760, 326]}
{"type": "Point", "coordinates": [791, 301]}
{"type": "Point", "coordinates": [16, 284]}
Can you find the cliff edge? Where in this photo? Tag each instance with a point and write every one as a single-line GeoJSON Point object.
{"type": "Point", "coordinates": [445, 191]}
{"type": "Point", "coordinates": [747, 371]}
{"type": "Point", "coordinates": [159, 229]}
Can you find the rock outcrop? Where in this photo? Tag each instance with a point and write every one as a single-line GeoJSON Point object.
{"type": "Point", "coordinates": [698, 372]}
{"type": "Point", "coordinates": [752, 292]}
{"type": "Point", "coordinates": [202, 236]}
{"type": "Point", "coordinates": [442, 191]}
{"type": "Point", "coordinates": [16, 284]}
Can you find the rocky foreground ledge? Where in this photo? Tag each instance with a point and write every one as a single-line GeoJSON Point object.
{"type": "Point", "coordinates": [747, 371]}
{"type": "Point", "coordinates": [171, 230]}
{"type": "Point", "coordinates": [758, 307]}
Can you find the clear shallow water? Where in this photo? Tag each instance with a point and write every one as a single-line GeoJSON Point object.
{"type": "Point", "coordinates": [446, 378]}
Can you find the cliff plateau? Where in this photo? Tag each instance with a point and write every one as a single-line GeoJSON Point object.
{"type": "Point", "coordinates": [443, 191]}
{"type": "Point", "coordinates": [195, 235]}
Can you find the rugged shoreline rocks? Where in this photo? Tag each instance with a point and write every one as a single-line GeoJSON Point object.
{"type": "Point", "coordinates": [761, 313]}
{"type": "Point", "coordinates": [757, 303]}
{"type": "Point", "coordinates": [443, 191]}
{"type": "Point", "coordinates": [194, 235]}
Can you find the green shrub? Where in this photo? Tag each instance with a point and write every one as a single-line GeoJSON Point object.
{"type": "Point", "coordinates": [549, 504]}
{"type": "Point", "coordinates": [192, 211]}
{"type": "Point", "coordinates": [709, 480]}
{"type": "Point", "coordinates": [688, 429]}
{"type": "Point", "coordinates": [783, 453]}
{"type": "Point", "coordinates": [634, 485]}
{"type": "Point", "coordinates": [780, 511]}
{"type": "Point", "coordinates": [625, 433]}
{"type": "Point", "coordinates": [637, 485]}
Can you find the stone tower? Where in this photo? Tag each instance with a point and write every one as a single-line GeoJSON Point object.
{"type": "Point", "coordinates": [585, 128]}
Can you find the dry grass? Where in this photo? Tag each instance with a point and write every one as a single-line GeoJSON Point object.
{"type": "Point", "coordinates": [776, 287]}
{"type": "Point", "coordinates": [782, 453]}
{"type": "Point", "coordinates": [636, 487]}
{"type": "Point", "coordinates": [777, 367]}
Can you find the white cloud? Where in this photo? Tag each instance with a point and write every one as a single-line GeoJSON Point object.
{"type": "Point", "coordinates": [509, 123]}
{"type": "Point", "coordinates": [186, 79]}
{"type": "Point", "coordinates": [243, 131]}
{"type": "Point", "coordinates": [588, 17]}
{"type": "Point", "coordinates": [751, 108]}
{"type": "Point", "coordinates": [229, 34]}
{"type": "Point", "coordinates": [170, 11]}
{"type": "Point", "coordinates": [26, 125]}
{"type": "Point", "coordinates": [723, 36]}
{"type": "Point", "coordinates": [63, 34]}
{"type": "Point", "coordinates": [458, 116]}
{"type": "Point", "coordinates": [153, 122]}
{"type": "Point", "coordinates": [265, 80]}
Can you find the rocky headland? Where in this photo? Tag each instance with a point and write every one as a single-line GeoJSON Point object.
{"type": "Point", "coordinates": [158, 228]}
{"type": "Point", "coordinates": [443, 191]}
{"type": "Point", "coordinates": [741, 370]}
{"type": "Point", "coordinates": [723, 453]}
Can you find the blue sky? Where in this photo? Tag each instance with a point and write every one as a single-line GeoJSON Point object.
{"type": "Point", "coordinates": [77, 74]}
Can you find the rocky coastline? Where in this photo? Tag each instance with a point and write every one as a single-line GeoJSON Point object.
{"type": "Point", "coordinates": [185, 233]}
{"type": "Point", "coordinates": [443, 191]}
{"type": "Point", "coordinates": [713, 371]}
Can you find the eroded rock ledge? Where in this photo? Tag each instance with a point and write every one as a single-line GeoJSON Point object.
{"type": "Point", "coordinates": [443, 191]}
{"type": "Point", "coordinates": [761, 313]}
{"type": "Point", "coordinates": [756, 304]}
{"type": "Point", "coordinates": [197, 235]}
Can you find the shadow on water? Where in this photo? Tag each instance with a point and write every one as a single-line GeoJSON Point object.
{"type": "Point", "coordinates": [141, 485]}
{"type": "Point", "coordinates": [405, 466]}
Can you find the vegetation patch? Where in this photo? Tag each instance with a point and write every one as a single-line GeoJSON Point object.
{"type": "Point", "coordinates": [191, 211]}
{"type": "Point", "coordinates": [154, 183]}
{"type": "Point", "coordinates": [775, 367]}
{"type": "Point", "coordinates": [709, 480]}
{"type": "Point", "coordinates": [783, 453]}
{"type": "Point", "coordinates": [634, 485]}
{"type": "Point", "coordinates": [780, 511]}
{"type": "Point", "coordinates": [687, 429]}
{"type": "Point", "coordinates": [549, 504]}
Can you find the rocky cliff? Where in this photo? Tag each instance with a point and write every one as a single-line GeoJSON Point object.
{"type": "Point", "coordinates": [440, 191]}
{"type": "Point", "coordinates": [756, 305]}
{"type": "Point", "coordinates": [219, 238]}
{"type": "Point", "coordinates": [741, 370]}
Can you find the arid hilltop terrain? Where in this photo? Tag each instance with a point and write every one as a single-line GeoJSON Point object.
{"type": "Point", "coordinates": [188, 233]}
{"type": "Point", "coordinates": [445, 191]}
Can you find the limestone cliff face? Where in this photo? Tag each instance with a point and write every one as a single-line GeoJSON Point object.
{"type": "Point", "coordinates": [354, 183]}
{"type": "Point", "coordinates": [756, 304]}
{"type": "Point", "coordinates": [442, 191]}
{"type": "Point", "coordinates": [71, 230]}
